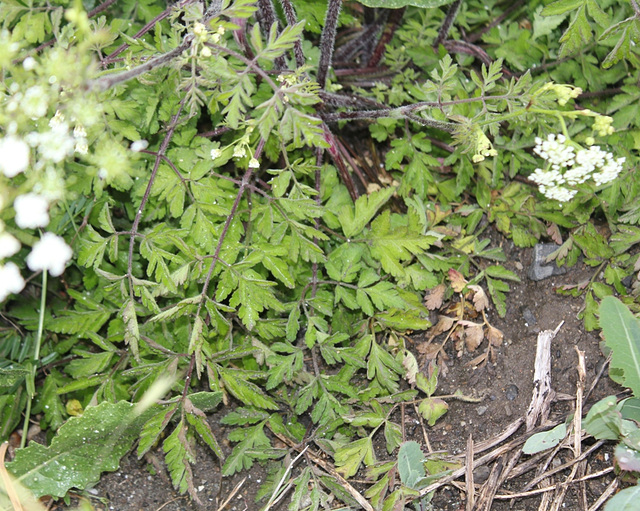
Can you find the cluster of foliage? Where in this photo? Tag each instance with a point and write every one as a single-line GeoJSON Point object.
{"type": "Point", "coordinates": [258, 196]}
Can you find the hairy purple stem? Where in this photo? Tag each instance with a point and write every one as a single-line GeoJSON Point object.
{"type": "Point", "coordinates": [327, 40]}
{"type": "Point", "coordinates": [447, 23]}
{"type": "Point", "coordinates": [106, 82]}
{"type": "Point", "coordinates": [395, 17]}
{"type": "Point", "coordinates": [339, 161]}
{"type": "Point", "coordinates": [292, 19]}
{"type": "Point", "coordinates": [267, 20]}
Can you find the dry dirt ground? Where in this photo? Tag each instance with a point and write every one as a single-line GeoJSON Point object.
{"type": "Point", "coordinates": [505, 389]}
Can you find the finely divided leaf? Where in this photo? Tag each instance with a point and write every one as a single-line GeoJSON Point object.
{"type": "Point", "coordinates": [354, 219]}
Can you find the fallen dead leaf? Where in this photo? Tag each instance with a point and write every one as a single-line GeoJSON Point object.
{"type": "Point", "coordinates": [433, 299]}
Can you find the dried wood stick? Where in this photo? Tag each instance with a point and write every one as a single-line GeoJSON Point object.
{"type": "Point", "coordinates": [470, 490]}
{"type": "Point", "coordinates": [542, 391]}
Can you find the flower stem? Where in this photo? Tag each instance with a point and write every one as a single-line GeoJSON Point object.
{"type": "Point", "coordinates": [31, 383]}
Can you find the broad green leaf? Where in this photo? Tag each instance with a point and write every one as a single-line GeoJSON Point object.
{"type": "Point", "coordinates": [349, 457]}
{"type": "Point", "coordinates": [603, 421]}
{"type": "Point", "coordinates": [83, 448]}
{"type": "Point", "coordinates": [624, 500]}
{"type": "Point", "coordinates": [621, 330]}
{"type": "Point", "coordinates": [432, 408]}
{"type": "Point", "coordinates": [411, 464]}
{"type": "Point", "coordinates": [545, 440]}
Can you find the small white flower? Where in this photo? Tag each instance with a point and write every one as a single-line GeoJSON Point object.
{"type": "Point", "coordinates": [31, 211]}
{"type": "Point", "coordinates": [9, 245]}
{"type": "Point", "coordinates": [35, 102]}
{"type": "Point", "coordinates": [79, 132]}
{"type": "Point", "coordinates": [29, 63]}
{"type": "Point", "coordinates": [51, 253]}
{"type": "Point", "coordinates": [14, 156]}
{"type": "Point", "coordinates": [239, 151]}
{"type": "Point", "coordinates": [139, 145]}
{"type": "Point", "coordinates": [555, 151]}
{"type": "Point", "coordinates": [215, 154]}
{"type": "Point", "coordinates": [10, 280]}
{"type": "Point", "coordinates": [199, 28]}
{"type": "Point", "coordinates": [55, 144]}
{"type": "Point", "coordinates": [57, 120]}
{"type": "Point", "coordinates": [609, 171]}
{"type": "Point", "coordinates": [205, 52]}
{"type": "Point", "coordinates": [81, 146]}
{"type": "Point", "coordinates": [254, 163]}
{"type": "Point", "coordinates": [559, 193]}
{"type": "Point", "coordinates": [592, 158]}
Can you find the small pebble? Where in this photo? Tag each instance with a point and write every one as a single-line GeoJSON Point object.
{"type": "Point", "coordinates": [511, 392]}
{"type": "Point", "coordinates": [599, 365]}
{"type": "Point", "coordinates": [481, 474]}
{"type": "Point", "coordinates": [482, 410]}
{"type": "Point", "coordinates": [529, 317]}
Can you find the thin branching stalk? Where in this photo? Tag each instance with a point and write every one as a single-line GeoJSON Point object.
{"type": "Point", "coordinates": [447, 23]}
{"type": "Point", "coordinates": [136, 222]}
{"type": "Point", "coordinates": [112, 57]}
{"type": "Point", "coordinates": [472, 38]}
{"type": "Point", "coordinates": [327, 40]}
{"type": "Point", "coordinates": [244, 184]}
{"type": "Point", "coordinates": [34, 362]}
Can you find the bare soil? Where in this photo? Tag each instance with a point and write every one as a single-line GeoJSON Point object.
{"type": "Point", "coordinates": [505, 389]}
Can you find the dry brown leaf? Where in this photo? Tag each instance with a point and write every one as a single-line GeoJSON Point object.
{"type": "Point", "coordinates": [444, 323]}
{"type": "Point", "coordinates": [473, 336]}
{"type": "Point", "coordinates": [479, 360]}
{"type": "Point", "coordinates": [494, 335]}
{"type": "Point", "coordinates": [411, 366]}
{"type": "Point", "coordinates": [458, 282]}
{"type": "Point", "coordinates": [480, 300]}
{"type": "Point", "coordinates": [433, 299]}
{"type": "Point", "coordinates": [554, 233]}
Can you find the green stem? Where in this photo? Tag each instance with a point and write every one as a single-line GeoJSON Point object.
{"type": "Point", "coordinates": [31, 384]}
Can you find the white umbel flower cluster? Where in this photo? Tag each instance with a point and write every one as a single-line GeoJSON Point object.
{"type": "Point", "coordinates": [566, 167]}
{"type": "Point", "coordinates": [51, 253]}
{"type": "Point", "coordinates": [14, 156]}
{"type": "Point", "coordinates": [10, 280]}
